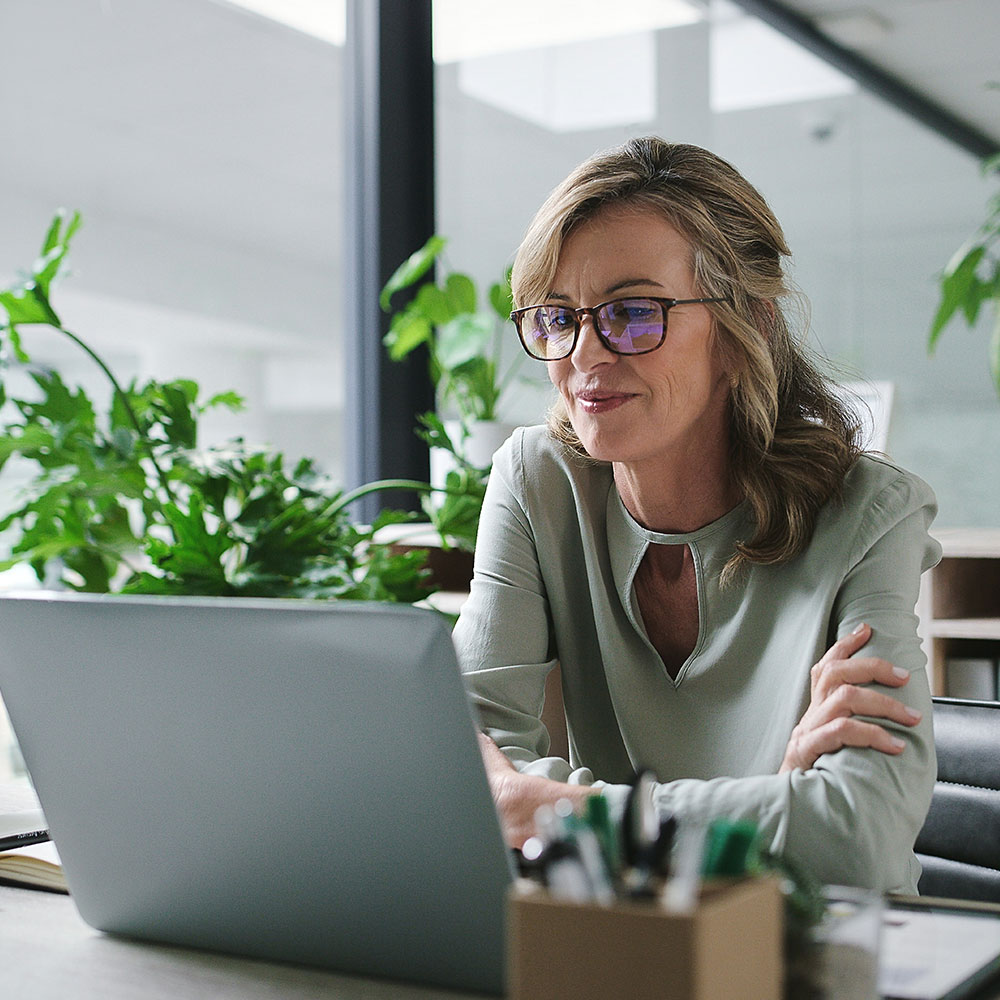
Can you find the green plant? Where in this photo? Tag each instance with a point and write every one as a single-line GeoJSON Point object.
{"type": "Point", "coordinates": [456, 516]}
{"type": "Point", "coordinates": [464, 342]}
{"type": "Point", "coordinates": [126, 500]}
{"type": "Point", "coordinates": [972, 279]}
{"type": "Point", "coordinates": [465, 347]}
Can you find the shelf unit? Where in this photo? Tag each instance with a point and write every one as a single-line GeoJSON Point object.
{"type": "Point", "coordinates": [959, 603]}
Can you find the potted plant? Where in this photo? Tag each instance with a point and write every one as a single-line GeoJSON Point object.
{"type": "Point", "coordinates": [465, 346]}
{"type": "Point", "coordinates": [972, 279]}
{"type": "Point", "coordinates": [127, 500]}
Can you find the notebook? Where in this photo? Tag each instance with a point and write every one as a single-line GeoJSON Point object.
{"type": "Point", "coordinates": [288, 780]}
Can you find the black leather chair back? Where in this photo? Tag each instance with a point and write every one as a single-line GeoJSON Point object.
{"type": "Point", "coordinates": [959, 845]}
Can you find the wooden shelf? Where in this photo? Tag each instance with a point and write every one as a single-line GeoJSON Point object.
{"type": "Point", "coordinates": [964, 628]}
{"type": "Point", "coordinates": [959, 604]}
{"type": "Point", "coordinates": [969, 543]}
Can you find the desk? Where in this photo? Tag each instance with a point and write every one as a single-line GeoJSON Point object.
{"type": "Point", "coordinates": [48, 953]}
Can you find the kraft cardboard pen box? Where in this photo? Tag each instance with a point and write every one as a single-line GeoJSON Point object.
{"type": "Point", "coordinates": [729, 946]}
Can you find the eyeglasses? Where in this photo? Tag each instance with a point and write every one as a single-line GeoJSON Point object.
{"type": "Point", "coordinates": [624, 326]}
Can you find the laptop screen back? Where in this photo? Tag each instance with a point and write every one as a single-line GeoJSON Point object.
{"type": "Point", "coordinates": [289, 780]}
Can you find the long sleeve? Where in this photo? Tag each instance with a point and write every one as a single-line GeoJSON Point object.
{"type": "Point", "coordinates": [853, 817]}
{"type": "Point", "coordinates": [503, 635]}
{"type": "Point", "coordinates": [554, 572]}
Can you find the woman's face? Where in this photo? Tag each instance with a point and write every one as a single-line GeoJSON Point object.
{"type": "Point", "coordinates": [666, 406]}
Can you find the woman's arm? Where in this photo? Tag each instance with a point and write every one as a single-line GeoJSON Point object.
{"type": "Point", "coordinates": [848, 814]}
{"type": "Point", "coordinates": [840, 696]}
{"type": "Point", "coordinates": [853, 815]}
{"type": "Point", "coordinates": [833, 721]}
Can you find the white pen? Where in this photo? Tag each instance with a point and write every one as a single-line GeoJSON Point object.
{"type": "Point", "coordinates": [680, 891]}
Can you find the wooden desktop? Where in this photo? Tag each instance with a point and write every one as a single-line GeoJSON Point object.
{"type": "Point", "coordinates": [47, 952]}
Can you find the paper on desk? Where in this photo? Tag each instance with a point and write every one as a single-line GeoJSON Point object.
{"type": "Point", "coordinates": [927, 955]}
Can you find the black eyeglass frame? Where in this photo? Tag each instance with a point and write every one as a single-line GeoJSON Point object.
{"type": "Point", "coordinates": [665, 305]}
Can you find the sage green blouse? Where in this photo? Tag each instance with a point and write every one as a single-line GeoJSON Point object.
{"type": "Point", "coordinates": [555, 566]}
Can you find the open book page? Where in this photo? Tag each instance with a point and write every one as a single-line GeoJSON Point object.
{"type": "Point", "coordinates": [937, 953]}
{"type": "Point", "coordinates": [36, 865]}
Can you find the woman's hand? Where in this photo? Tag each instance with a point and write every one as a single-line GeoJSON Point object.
{"type": "Point", "coordinates": [517, 795]}
{"type": "Point", "coordinates": [830, 721]}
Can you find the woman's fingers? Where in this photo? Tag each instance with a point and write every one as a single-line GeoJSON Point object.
{"type": "Point", "coordinates": [863, 670]}
{"type": "Point", "coordinates": [841, 695]}
{"type": "Point", "coordinates": [848, 645]}
{"type": "Point", "coordinates": [849, 700]}
{"type": "Point", "coordinates": [805, 748]}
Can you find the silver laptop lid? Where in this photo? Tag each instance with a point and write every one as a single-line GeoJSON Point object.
{"type": "Point", "coordinates": [284, 779]}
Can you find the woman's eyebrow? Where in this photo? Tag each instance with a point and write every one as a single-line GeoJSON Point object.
{"type": "Point", "coordinates": [612, 288]}
{"type": "Point", "coordinates": [630, 283]}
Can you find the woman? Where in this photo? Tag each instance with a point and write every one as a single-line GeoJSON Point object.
{"type": "Point", "coordinates": [693, 532]}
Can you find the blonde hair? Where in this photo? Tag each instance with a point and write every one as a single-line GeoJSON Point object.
{"type": "Point", "coordinates": [792, 440]}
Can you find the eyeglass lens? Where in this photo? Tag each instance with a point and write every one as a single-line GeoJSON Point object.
{"type": "Point", "coordinates": [627, 326]}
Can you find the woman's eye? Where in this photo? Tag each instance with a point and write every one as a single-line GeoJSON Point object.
{"type": "Point", "coordinates": [637, 312]}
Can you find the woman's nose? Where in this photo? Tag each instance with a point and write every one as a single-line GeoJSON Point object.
{"type": "Point", "coordinates": [590, 351]}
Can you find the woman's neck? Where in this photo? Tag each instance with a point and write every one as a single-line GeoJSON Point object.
{"type": "Point", "coordinates": [679, 497]}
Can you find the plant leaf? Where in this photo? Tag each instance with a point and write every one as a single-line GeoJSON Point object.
{"type": "Point", "coordinates": [411, 270]}
{"type": "Point", "coordinates": [958, 278]}
{"type": "Point", "coordinates": [15, 343]}
{"type": "Point", "coordinates": [502, 299]}
{"type": "Point", "coordinates": [407, 331]}
{"type": "Point", "coordinates": [433, 304]}
{"type": "Point", "coordinates": [466, 337]}
{"type": "Point", "coordinates": [55, 248]}
{"type": "Point", "coordinates": [461, 292]}
{"type": "Point", "coordinates": [28, 304]}
{"type": "Point", "coordinates": [231, 400]}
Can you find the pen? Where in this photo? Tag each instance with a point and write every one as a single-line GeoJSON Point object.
{"type": "Point", "coordinates": [23, 839]}
{"type": "Point", "coordinates": [680, 892]}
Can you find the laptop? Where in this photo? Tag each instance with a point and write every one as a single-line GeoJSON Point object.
{"type": "Point", "coordinates": [288, 780]}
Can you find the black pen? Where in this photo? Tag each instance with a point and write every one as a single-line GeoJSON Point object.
{"type": "Point", "coordinates": [24, 839]}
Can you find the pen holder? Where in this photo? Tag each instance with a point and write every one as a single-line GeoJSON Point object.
{"type": "Point", "coordinates": [729, 945]}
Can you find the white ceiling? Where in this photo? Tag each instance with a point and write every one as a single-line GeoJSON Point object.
{"type": "Point", "coordinates": [131, 110]}
{"type": "Point", "coordinates": [946, 50]}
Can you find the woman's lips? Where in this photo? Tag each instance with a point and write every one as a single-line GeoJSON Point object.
{"type": "Point", "coordinates": [601, 401]}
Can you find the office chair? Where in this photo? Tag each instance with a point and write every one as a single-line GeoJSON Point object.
{"type": "Point", "coordinates": [959, 845]}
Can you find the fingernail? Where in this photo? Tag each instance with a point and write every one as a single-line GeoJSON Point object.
{"type": "Point", "coordinates": [901, 671]}
{"type": "Point", "coordinates": [897, 742]}
{"type": "Point", "coordinates": [859, 629]}
{"type": "Point", "coordinates": [914, 714]}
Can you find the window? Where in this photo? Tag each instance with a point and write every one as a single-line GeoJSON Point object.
{"type": "Point", "coordinates": [201, 141]}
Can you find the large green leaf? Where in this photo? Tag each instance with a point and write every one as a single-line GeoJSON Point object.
{"type": "Point", "coordinates": [28, 304]}
{"type": "Point", "coordinates": [408, 330]}
{"type": "Point", "coordinates": [474, 387]}
{"type": "Point", "coordinates": [411, 270]}
{"type": "Point", "coordinates": [461, 292]}
{"type": "Point", "coordinates": [958, 281]}
{"type": "Point", "coordinates": [464, 338]}
{"type": "Point", "coordinates": [434, 304]}
{"type": "Point", "coordinates": [60, 405]}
